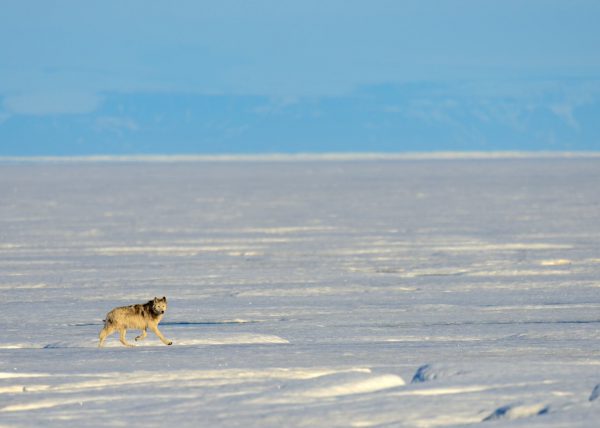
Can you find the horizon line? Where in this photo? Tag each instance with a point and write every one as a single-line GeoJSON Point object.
{"type": "Point", "coordinates": [305, 156]}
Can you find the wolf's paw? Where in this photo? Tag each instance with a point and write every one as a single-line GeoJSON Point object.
{"type": "Point", "coordinates": [169, 343]}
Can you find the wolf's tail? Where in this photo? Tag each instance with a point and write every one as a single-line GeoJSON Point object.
{"type": "Point", "coordinates": [109, 319]}
{"type": "Point", "coordinates": [106, 320]}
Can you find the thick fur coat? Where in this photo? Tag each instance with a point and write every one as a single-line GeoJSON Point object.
{"type": "Point", "coordinates": [138, 317]}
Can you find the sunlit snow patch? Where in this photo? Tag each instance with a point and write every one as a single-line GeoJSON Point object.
{"type": "Point", "coordinates": [333, 385]}
{"type": "Point", "coordinates": [555, 262]}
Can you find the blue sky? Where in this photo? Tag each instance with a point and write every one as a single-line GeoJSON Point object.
{"type": "Point", "coordinates": [144, 77]}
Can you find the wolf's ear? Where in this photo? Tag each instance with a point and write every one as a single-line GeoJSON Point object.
{"type": "Point", "coordinates": [155, 299]}
{"type": "Point", "coordinates": [164, 299]}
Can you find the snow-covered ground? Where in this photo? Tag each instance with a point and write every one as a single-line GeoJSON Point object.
{"type": "Point", "coordinates": [337, 293]}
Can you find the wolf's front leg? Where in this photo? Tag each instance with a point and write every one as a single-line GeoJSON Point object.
{"type": "Point", "coordinates": [160, 336]}
{"type": "Point", "coordinates": [141, 336]}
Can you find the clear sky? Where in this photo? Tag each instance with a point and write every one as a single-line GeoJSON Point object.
{"type": "Point", "coordinates": [149, 77]}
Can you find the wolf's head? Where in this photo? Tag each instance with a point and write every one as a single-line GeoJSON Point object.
{"type": "Point", "coordinates": [159, 306]}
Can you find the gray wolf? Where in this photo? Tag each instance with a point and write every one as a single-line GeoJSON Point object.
{"type": "Point", "coordinates": [139, 317]}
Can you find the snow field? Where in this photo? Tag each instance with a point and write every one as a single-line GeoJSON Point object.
{"type": "Point", "coordinates": [417, 293]}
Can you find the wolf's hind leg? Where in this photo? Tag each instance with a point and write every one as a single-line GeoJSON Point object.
{"type": "Point", "coordinates": [122, 337]}
{"type": "Point", "coordinates": [160, 336]}
{"type": "Point", "coordinates": [141, 336]}
{"type": "Point", "coordinates": [104, 333]}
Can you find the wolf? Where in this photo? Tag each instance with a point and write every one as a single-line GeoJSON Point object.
{"type": "Point", "coordinates": [140, 317]}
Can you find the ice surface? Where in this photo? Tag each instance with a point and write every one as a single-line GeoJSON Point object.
{"type": "Point", "coordinates": [305, 293]}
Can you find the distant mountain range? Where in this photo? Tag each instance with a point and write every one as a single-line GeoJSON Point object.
{"type": "Point", "coordinates": [470, 116]}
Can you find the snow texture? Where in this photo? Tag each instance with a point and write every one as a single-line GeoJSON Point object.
{"type": "Point", "coordinates": [427, 373]}
{"type": "Point", "coordinates": [518, 411]}
{"type": "Point", "coordinates": [334, 293]}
